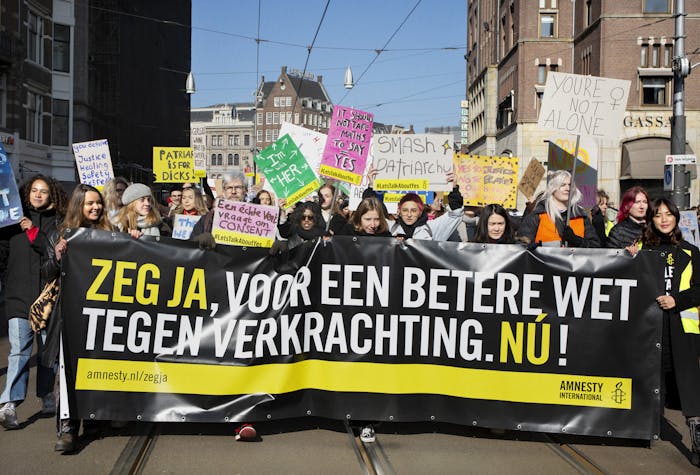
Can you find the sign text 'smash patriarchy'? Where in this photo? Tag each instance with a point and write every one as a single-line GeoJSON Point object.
{"type": "Point", "coordinates": [10, 202]}
{"type": "Point", "coordinates": [584, 105]}
{"type": "Point", "coordinates": [174, 165]}
{"type": "Point", "coordinates": [287, 170]}
{"type": "Point", "coordinates": [94, 162]}
{"type": "Point", "coordinates": [238, 223]}
{"type": "Point", "coordinates": [412, 161]}
{"type": "Point", "coordinates": [486, 180]}
{"type": "Point", "coordinates": [347, 147]}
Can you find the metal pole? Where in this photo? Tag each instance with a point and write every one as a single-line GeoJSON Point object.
{"type": "Point", "coordinates": [573, 183]}
{"type": "Point", "coordinates": [680, 70]}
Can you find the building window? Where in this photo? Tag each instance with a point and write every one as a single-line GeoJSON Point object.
{"type": "Point", "coordinates": [35, 31]}
{"type": "Point", "coordinates": [213, 159]}
{"type": "Point", "coordinates": [504, 117]}
{"type": "Point", "coordinates": [654, 91]}
{"type": "Point", "coordinates": [548, 26]}
{"type": "Point", "coordinates": [541, 74]}
{"type": "Point", "coordinates": [668, 56]}
{"type": "Point", "coordinates": [268, 135]}
{"type": "Point", "coordinates": [275, 118]}
{"type": "Point", "coordinates": [230, 159]}
{"type": "Point", "coordinates": [237, 140]}
{"type": "Point", "coordinates": [236, 160]}
{"type": "Point", "coordinates": [61, 48]}
{"type": "Point", "coordinates": [644, 60]}
{"type": "Point", "coordinates": [275, 134]}
{"type": "Point", "coordinates": [219, 159]}
{"type": "Point", "coordinates": [288, 101]}
{"type": "Point", "coordinates": [268, 118]}
{"type": "Point", "coordinates": [59, 122]}
{"type": "Point", "coordinates": [296, 118]}
{"type": "Point", "coordinates": [588, 14]}
{"type": "Point", "coordinates": [246, 140]}
{"type": "Point", "coordinates": [655, 50]}
{"type": "Point", "coordinates": [276, 101]}
{"type": "Point", "coordinates": [259, 118]}
{"type": "Point", "coordinates": [35, 109]}
{"type": "Point", "coordinates": [230, 140]}
{"type": "Point", "coordinates": [258, 135]}
{"type": "Point", "coordinates": [657, 6]}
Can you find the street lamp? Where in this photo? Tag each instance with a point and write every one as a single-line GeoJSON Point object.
{"type": "Point", "coordinates": [349, 83]}
{"type": "Point", "coordinates": [190, 88]}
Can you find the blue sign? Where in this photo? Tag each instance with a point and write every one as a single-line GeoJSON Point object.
{"type": "Point", "coordinates": [10, 202]}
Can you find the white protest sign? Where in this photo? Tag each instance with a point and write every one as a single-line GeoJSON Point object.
{"type": "Point", "coordinates": [689, 226]}
{"type": "Point", "coordinates": [584, 105]}
{"type": "Point", "coordinates": [412, 162]}
{"type": "Point", "coordinates": [356, 191]}
{"type": "Point", "coordinates": [183, 225]}
{"type": "Point", "coordinates": [94, 162]}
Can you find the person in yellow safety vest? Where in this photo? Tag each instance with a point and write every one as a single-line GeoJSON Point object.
{"type": "Point", "coordinates": [681, 330]}
{"type": "Point", "coordinates": [546, 224]}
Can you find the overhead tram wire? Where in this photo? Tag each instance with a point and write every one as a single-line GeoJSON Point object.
{"type": "Point", "coordinates": [308, 55]}
{"type": "Point", "coordinates": [379, 51]}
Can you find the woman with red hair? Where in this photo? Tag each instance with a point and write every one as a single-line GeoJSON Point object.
{"type": "Point", "coordinates": [630, 219]}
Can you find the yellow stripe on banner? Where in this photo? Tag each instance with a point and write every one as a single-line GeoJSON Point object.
{"type": "Point", "coordinates": [217, 380]}
{"type": "Point", "coordinates": [403, 185]}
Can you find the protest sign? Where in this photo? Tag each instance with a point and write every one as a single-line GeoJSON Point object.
{"type": "Point", "coordinates": [174, 165]}
{"type": "Point", "coordinates": [347, 146]}
{"type": "Point", "coordinates": [198, 140]}
{"type": "Point", "coordinates": [238, 223]}
{"type": "Point", "coordinates": [287, 171]}
{"type": "Point", "coordinates": [485, 180]}
{"type": "Point", "coordinates": [10, 201]}
{"type": "Point", "coordinates": [494, 336]}
{"type": "Point", "coordinates": [584, 105]}
{"type": "Point", "coordinates": [586, 178]}
{"type": "Point", "coordinates": [310, 143]}
{"type": "Point", "coordinates": [94, 162]}
{"type": "Point", "coordinates": [689, 226]}
{"type": "Point", "coordinates": [412, 161]}
{"type": "Point", "coordinates": [183, 225]}
{"type": "Point", "coordinates": [531, 178]}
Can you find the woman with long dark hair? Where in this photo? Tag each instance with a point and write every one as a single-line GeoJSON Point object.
{"type": "Point", "coordinates": [305, 223]}
{"type": "Point", "coordinates": [680, 345]}
{"type": "Point", "coordinates": [494, 226]}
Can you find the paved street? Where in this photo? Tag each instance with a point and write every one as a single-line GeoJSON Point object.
{"type": "Point", "coordinates": [321, 446]}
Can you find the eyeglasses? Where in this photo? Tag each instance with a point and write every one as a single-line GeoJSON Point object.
{"type": "Point", "coordinates": [307, 217]}
{"type": "Point", "coordinates": [234, 187]}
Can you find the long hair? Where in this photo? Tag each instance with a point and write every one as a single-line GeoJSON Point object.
{"type": "Point", "coordinates": [57, 196]}
{"type": "Point", "coordinates": [198, 203]}
{"type": "Point", "coordinates": [556, 180]}
{"type": "Point", "coordinates": [369, 204]}
{"type": "Point", "coordinates": [651, 236]}
{"type": "Point", "coordinates": [128, 217]}
{"type": "Point", "coordinates": [112, 201]}
{"type": "Point", "coordinates": [320, 196]}
{"type": "Point", "coordinates": [298, 213]}
{"type": "Point", "coordinates": [74, 212]}
{"type": "Point", "coordinates": [628, 200]}
{"type": "Point", "coordinates": [482, 230]}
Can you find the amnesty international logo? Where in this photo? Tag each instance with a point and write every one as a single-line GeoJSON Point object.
{"type": "Point", "coordinates": [618, 395]}
{"type": "Point", "coordinates": [669, 260]}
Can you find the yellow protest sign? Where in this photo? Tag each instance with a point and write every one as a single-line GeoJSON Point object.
{"type": "Point", "coordinates": [484, 179]}
{"type": "Point", "coordinates": [173, 165]}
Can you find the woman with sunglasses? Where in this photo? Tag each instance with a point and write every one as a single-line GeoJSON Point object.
{"type": "Point", "coordinates": [305, 223]}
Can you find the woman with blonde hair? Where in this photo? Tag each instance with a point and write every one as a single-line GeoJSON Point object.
{"type": "Point", "coordinates": [139, 216]}
{"type": "Point", "coordinates": [112, 196]}
{"type": "Point", "coordinates": [191, 204]}
{"type": "Point", "coordinates": [548, 223]}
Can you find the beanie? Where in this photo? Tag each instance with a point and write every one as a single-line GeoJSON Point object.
{"type": "Point", "coordinates": [412, 197]}
{"type": "Point", "coordinates": [134, 192]}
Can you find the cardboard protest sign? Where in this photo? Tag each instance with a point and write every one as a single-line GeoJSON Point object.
{"type": "Point", "coordinates": [287, 171]}
{"type": "Point", "coordinates": [94, 162]}
{"type": "Point", "coordinates": [238, 223]}
{"type": "Point", "coordinates": [310, 143]}
{"type": "Point", "coordinates": [586, 178]}
{"type": "Point", "coordinates": [183, 225]}
{"type": "Point", "coordinates": [412, 161]}
{"type": "Point", "coordinates": [584, 105]}
{"type": "Point", "coordinates": [531, 178]}
{"type": "Point", "coordinates": [484, 180]}
{"type": "Point", "coordinates": [347, 147]}
{"type": "Point", "coordinates": [174, 165]}
{"type": "Point", "coordinates": [10, 202]}
{"type": "Point", "coordinates": [689, 226]}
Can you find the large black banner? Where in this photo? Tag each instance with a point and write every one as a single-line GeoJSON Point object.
{"type": "Point", "coordinates": [555, 340]}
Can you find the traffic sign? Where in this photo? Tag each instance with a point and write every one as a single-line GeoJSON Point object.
{"type": "Point", "coordinates": [668, 177]}
{"type": "Point", "coordinates": [686, 159]}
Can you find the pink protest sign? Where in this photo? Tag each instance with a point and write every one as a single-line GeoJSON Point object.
{"type": "Point", "coordinates": [239, 223]}
{"type": "Point", "coordinates": [349, 137]}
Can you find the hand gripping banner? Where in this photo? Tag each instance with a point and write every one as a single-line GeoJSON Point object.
{"type": "Point", "coordinates": [555, 340]}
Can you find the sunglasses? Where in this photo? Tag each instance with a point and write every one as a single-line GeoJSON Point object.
{"type": "Point", "coordinates": [307, 217]}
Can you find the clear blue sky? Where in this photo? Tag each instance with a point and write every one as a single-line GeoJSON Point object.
{"type": "Point", "coordinates": [416, 81]}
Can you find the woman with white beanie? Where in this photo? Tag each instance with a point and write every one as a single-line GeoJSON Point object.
{"type": "Point", "coordinates": [139, 216]}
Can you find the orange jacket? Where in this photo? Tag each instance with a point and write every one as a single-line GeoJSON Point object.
{"type": "Point", "coordinates": [547, 231]}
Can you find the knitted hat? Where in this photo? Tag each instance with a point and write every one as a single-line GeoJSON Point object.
{"type": "Point", "coordinates": [412, 197]}
{"type": "Point", "coordinates": [134, 192]}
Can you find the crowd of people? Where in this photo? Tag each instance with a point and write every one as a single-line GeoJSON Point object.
{"type": "Point", "coordinates": [31, 253]}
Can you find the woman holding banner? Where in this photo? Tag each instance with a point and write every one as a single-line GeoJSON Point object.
{"type": "Point", "coordinates": [191, 204]}
{"type": "Point", "coordinates": [494, 226]}
{"type": "Point", "coordinates": [548, 224]}
{"type": "Point", "coordinates": [85, 210]}
{"type": "Point", "coordinates": [305, 223]}
{"type": "Point", "coordinates": [368, 220]}
{"type": "Point", "coordinates": [139, 216]}
{"type": "Point", "coordinates": [680, 340]}
{"type": "Point", "coordinates": [631, 218]}
{"type": "Point", "coordinates": [23, 245]}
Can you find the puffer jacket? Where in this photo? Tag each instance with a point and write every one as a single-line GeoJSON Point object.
{"type": "Point", "coordinates": [625, 233]}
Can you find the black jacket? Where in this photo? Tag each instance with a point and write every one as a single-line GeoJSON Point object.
{"type": "Point", "coordinates": [624, 233]}
{"type": "Point", "coordinates": [25, 260]}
